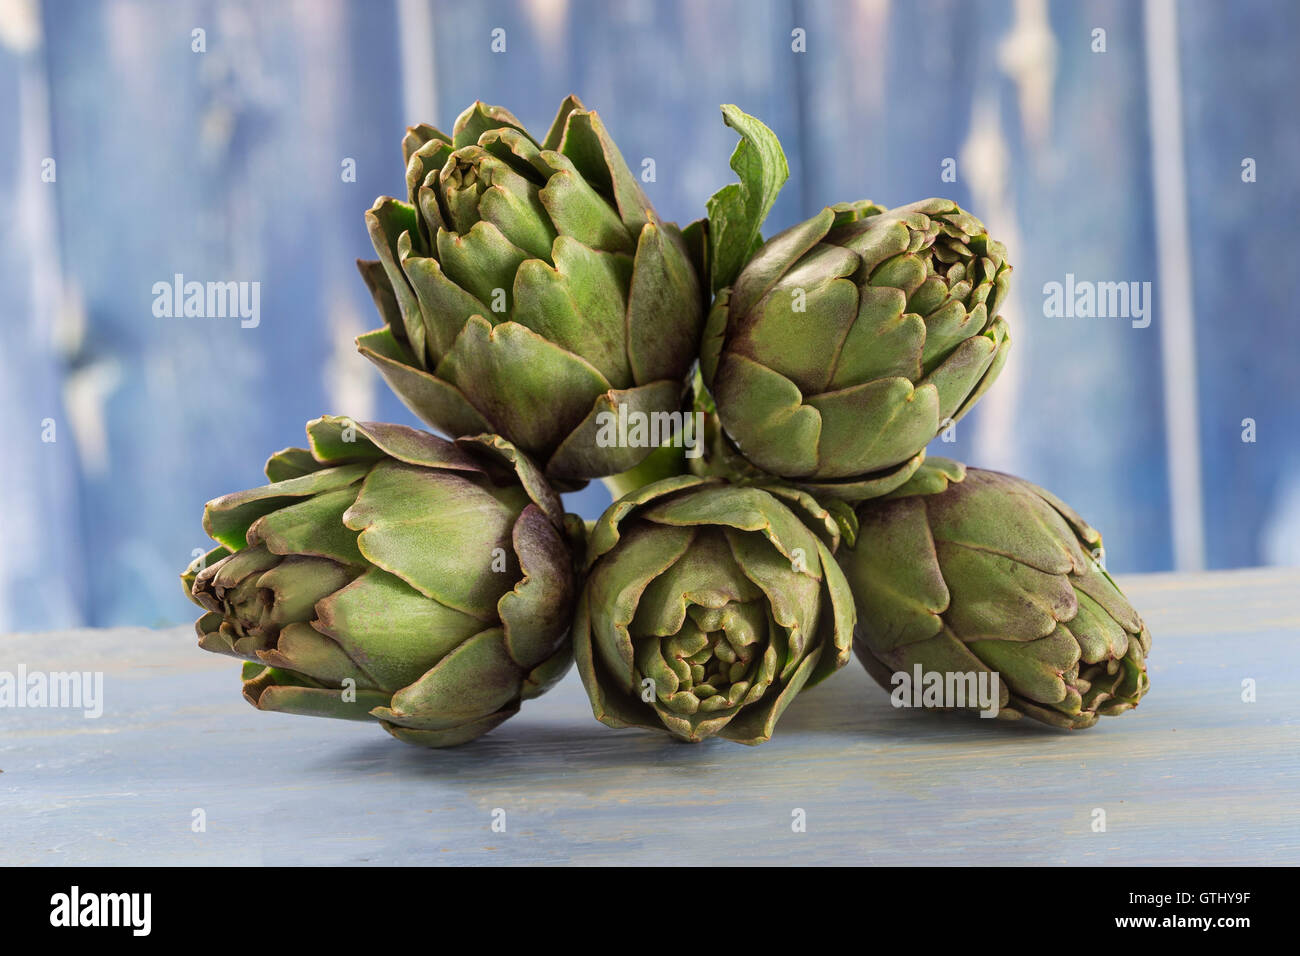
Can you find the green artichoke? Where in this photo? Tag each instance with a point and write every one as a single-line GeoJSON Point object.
{"type": "Point", "coordinates": [386, 573]}
{"type": "Point", "coordinates": [963, 571]}
{"type": "Point", "coordinates": [528, 287]}
{"type": "Point", "coordinates": [708, 607]}
{"type": "Point", "coordinates": [849, 341]}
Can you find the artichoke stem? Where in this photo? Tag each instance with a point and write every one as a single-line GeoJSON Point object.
{"type": "Point", "coordinates": [666, 461]}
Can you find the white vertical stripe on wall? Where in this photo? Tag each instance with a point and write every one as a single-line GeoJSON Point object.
{"type": "Point", "coordinates": [38, 484]}
{"type": "Point", "coordinates": [986, 159]}
{"type": "Point", "coordinates": [419, 75]}
{"type": "Point", "coordinates": [1173, 290]}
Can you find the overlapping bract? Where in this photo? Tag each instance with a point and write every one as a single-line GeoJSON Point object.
{"type": "Point", "coordinates": [527, 287]}
{"type": "Point", "coordinates": [965, 571]}
{"type": "Point", "coordinates": [708, 607]}
{"type": "Point", "coordinates": [387, 574]}
{"type": "Point", "coordinates": [850, 340]}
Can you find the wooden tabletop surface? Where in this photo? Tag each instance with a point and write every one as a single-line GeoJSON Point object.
{"type": "Point", "coordinates": [180, 770]}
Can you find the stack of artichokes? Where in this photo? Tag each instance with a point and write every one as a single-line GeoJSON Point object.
{"type": "Point", "coordinates": [761, 411]}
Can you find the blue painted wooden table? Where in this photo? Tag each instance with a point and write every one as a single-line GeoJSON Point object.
{"type": "Point", "coordinates": [1195, 775]}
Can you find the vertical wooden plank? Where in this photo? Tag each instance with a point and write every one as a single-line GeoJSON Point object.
{"type": "Point", "coordinates": [221, 165]}
{"type": "Point", "coordinates": [1051, 148]}
{"type": "Point", "coordinates": [42, 571]}
{"type": "Point", "coordinates": [1239, 74]}
{"type": "Point", "coordinates": [1173, 263]}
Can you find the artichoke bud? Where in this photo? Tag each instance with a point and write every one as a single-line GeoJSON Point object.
{"type": "Point", "coordinates": [972, 574]}
{"type": "Point", "coordinates": [394, 576]}
{"type": "Point", "coordinates": [708, 607]}
{"type": "Point", "coordinates": [839, 385]}
{"type": "Point", "coordinates": [528, 290]}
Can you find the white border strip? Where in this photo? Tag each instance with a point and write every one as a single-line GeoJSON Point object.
{"type": "Point", "coordinates": [1174, 271]}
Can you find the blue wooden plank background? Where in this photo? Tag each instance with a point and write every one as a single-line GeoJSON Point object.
{"type": "Point", "coordinates": [226, 165]}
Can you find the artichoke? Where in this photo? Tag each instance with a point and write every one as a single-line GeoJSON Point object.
{"type": "Point", "coordinates": [963, 571]}
{"type": "Point", "coordinates": [527, 288]}
{"type": "Point", "coordinates": [708, 607]}
{"type": "Point", "coordinates": [386, 573]}
{"type": "Point", "coordinates": [849, 341]}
